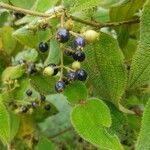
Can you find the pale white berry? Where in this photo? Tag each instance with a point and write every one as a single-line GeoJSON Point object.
{"type": "Point", "coordinates": [48, 71]}
{"type": "Point", "coordinates": [76, 65]}
{"type": "Point", "coordinates": [90, 35]}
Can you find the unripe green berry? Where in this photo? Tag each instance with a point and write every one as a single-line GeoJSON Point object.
{"type": "Point", "coordinates": [90, 35]}
{"type": "Point", "coordinates": [48, 71]}
{"type": "Point", "coordinates": [76, 65]}
{"type": "Point", "coordinates": [69, 24]}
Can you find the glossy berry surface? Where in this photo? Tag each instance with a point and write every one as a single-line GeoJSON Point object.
{"type": "Point", "coordinates": [25, 109]}
{"type": "Point", "coordinates": [43, 47]}
{"type": "Point", "coordinates": [29, 92]}
{"type": "Point", "coordinates": [63, 35]}
{"type": "Point", "coordinates": [79, 56]}
{"type": "Point", "coordinates": [81, 74]}
{"type": "Point", "coordinates": [79, 42]}
{"type": "Point", "coordinates": [71, 76]}
{"type": "Point", "coordinates": [60, 86]}
{"type": "Point", "coordinates": [47, 107]}
{"type": "Point", "coordinates": [55, 70]}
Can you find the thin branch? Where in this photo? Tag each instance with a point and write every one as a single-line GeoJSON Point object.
{"type": "Point", "coordinates": [24, 11]}
{"type": "Point", "coordinates": [101, 25]}
{"type": "Point", "coordinates": [90, 23]}
{"type": "Point", "coordinates": [60, 133]}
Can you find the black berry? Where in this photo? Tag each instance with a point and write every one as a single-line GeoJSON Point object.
{"type": "Point", "coordinates": [29, 92]}
{"type": "Point", "coordinates": [79, 42]}
{"type": "Point", "coordinates": [79, 55]}
{"type": "Point", "coordinates": [47, 107]}
{"type": "Point", "coordinates": [71, 76]}
{"type": "Point", "coordinates": [42, 98]}
{"type": "Point", "coordinates": [63, 35]}
{"type": "Point", "coordinates": [59, 86]}
{"type": "Point", "coordinates": [25, 109]}
{"type": "Point", "coordinates": [43, 47]}
{"type": "Point", "coordinates": [55, 70]}
{"type": "Point", "coordinates": [81, 74]}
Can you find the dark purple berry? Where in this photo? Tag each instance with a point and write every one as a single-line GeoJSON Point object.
{"type": "Point", "coordinates": [42, 98]}
{"type": "Point", "coordinates": [63, 35]}
{"type": "Point", "coordinates": [79, 42]}
{"type": "Point", "coordinates": [25, 109]}
{"type": "Point", "coordinates": [79, 55]}
{"type": "Point", "coordinates": [43, 47]}
{"type": "Point", "coordinates": [47, 107]}
{"type": "Point", "coordinates": [59, 86]}
{"type": "Point", "coordinates": [29, 92]}
{"type": "Point", "coordinates": [55, 70]}
{"type": "Point", "coordinates": [81, 74]}
{"type": "Point", "coordinates": [71, 76]}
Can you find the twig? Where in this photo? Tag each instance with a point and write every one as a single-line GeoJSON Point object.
{"type": "Point", "coordinates": [90, 23]}
{"type": "Point", "coordinates": [25, 11]}
{"type": "Point", "coordinates": [101, 25]}
{"type": "Point", "coordinates": [60, 133]}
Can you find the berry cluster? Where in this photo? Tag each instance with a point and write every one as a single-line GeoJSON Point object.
{"type": "Point", "coordinates": [74, 73]}
{"type": "Point", "coordinates": [33, 104]}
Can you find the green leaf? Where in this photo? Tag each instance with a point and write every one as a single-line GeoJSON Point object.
{"type": "Point", "coordinates": [9, 43]}
{"type": "Point", "coordinates": [15, 122]}
{"type": "Point", "coordinates": [30, 38]}
{"type": "Point", "coordinates": [23, 3]}
{"type": "Point", "coordinates": [90, 119]}
{"type": "Point", "coordinates": [76, 92]}
{"type": "Point", "coordinates": [140, 68]}
{"type": "Point", "coordinates": [143, 140]}
{"type": "Point", "coordinates": [106, 69]}
{"type": "Point", "coordinates": [4, 124]}
{"type": "Point", "coordinates": [28, 55]}
{"type": "Point", "coordinates": [43, 84]}
{"type": "Point", "coordinates": [45, 144]}
{"type": "Point", "coordinates": [54, 53]}
{"type": "Point", "coordinates": [9, 124]}
{"type": "Point", "coordinates": [125, 11]}
{"type": "Point", "coordinates": [3, 16]}
{"type": "Point", "coordinates": [59, 122]}
{"type": "Point", "coordinates": [13, 72]}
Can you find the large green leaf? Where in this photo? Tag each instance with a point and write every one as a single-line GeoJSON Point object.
{"type": "Point", "coordinates": [140, 68]}
{"type": "Point", "coordinates": [76, 92]}
{"type": "Point", "coordinates": [125, 11]}
{"type": "Point", "coordinates": [90, 119]}
{"type": "Point", "coordinates": [54, 53]}
{"type": "Point", "coordinates": [9, 124]}
{"type": "Point", "coordinates": [143, 140]}
{"type": "Point", "coordinates": [43, 84]}
{"type": "Point", "coordinates": [106, 68]}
